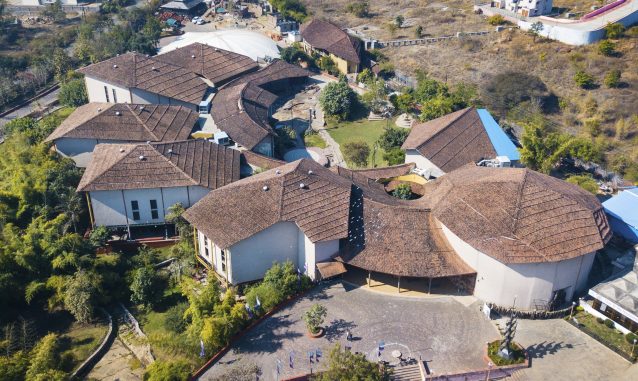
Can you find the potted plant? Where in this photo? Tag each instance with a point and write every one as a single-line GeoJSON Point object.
{"type": "Point", "coordinates": [314, 319]}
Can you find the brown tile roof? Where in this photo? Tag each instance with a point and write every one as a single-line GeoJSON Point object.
{"type": "Point", "coordinates": [377, 173]}
{"type": "Point", "coordinates": [217, 65]}
{"type": "Point", "coordinates": [452, 141]}
{"type": "Point", "coordinates": [163, 165]}
{"type": "Point", "coordinates": [326, 36]}
{"type": "Point", "coordinates": [330, 269]}
{"type": "Point", "coordinates": [517, 215]}
{"type": "Point", "coordinates": [243, 208]}
{"type": "Point", "coordinates": [128, 122]}
{"type": "Point", "coordinates": [134, 70]}
{"type": "Point", "coordinates": [241, 107]}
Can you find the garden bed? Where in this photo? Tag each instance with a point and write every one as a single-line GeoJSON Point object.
{"type": "Point", "coordinates": [608, 336]}
{"type": "Point", "coordinates": [518, 354]}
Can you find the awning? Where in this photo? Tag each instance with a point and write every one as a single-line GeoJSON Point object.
{"type": "Point", "coordinates": [330, 269]}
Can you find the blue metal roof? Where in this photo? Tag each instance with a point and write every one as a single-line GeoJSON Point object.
{"type": "Point", "coordinates": [624, 207]}
{"type": "Point", "coordinates": [502, 143]}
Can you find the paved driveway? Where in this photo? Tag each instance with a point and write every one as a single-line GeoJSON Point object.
{"type": "Point", "coordinates": [560, 351]}
{"type": "Point", "coordinates": [450, 335]}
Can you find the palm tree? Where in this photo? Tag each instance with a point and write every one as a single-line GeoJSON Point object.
{"type": "Point", "coordinates": [71, 206]}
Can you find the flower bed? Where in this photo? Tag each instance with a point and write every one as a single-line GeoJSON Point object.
{"type": "Point", "coordinates": [518, 354]}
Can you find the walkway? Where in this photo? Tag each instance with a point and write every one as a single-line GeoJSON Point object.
{"type": "Point", "coordinates": [27, 109]}
{"type": "Point", "coordinates": [446, 334]}
{"type": "Point", "coordinates": [116, 365]}
{"type": "Point", "coordinates": [332, 150]}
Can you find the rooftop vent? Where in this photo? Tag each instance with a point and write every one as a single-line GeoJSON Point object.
{"type": "Point", "coordinates": [310, 172]}
{"type": "Point", "coordinates": [193, 56]}
{"type": "Point", "coordinates": [141, 157]}
{"type": "Point", "coordinates": [99, 109]}
{"type": "Point", "coordinates": [170, 150]}
{"type": "Point", "coordinates": [265, 188]}
{"type": "Point", "coordinates": [141, 108]}
{"type": "Point", "coordinates": [153, 68]}
{"type": "Point", "coordinates": [278, 172]}
{"type": "Point", "coordinates": [121, 149]}
{"type": "Point", "coordinates": [148, 142]}
{"type": "Point", "coordinates": [302, 185]}
{"type": "Point", "coordinates": [118, 113]}
{"type": "Point", "coordinates": [114, 66]}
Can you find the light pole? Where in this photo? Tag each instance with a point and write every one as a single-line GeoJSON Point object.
{"type": "Point", "coordinates": [571, 313]}
{"type": "Point", "coordinates": [634, 347]}
{"type": "Point", "coordinates": [489, 369]}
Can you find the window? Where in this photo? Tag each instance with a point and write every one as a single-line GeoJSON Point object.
{"type": "Point", "coordinates": [114, 96]}
{"type": "Point", "coordinates": [135, 208]}
{"type": "Point", "coordinates": [154, 213]}
{"type": "Point", "coordinates": [106, 93]}
{"type": "Point", "coordinates": [223, 258]}
{"type": "Point", "coordinates": [206, 249]}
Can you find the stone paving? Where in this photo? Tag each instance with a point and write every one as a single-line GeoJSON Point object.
{"type": "Point", "coordinates": [448, 335]}
{"type": "Point", "coordinates": [560, 351]}
{"type": "Point", "coordinates": [116, 365]}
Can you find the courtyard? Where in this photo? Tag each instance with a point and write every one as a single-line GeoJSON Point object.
{"type": "Point", "coordinates": [448, 333]}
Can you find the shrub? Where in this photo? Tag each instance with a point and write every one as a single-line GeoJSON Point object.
{"type": "Point", "coordinates": [584, 80]}
{"type": "Point", "coordinates": [418, 31]}
{"type": "Point", "coordinates": [607, 48]}
{"type": "Point", "coordinates": [403, 192]}
{"type": "Point", "coordinates": [392, 137]}
{"type": "Point", "coordinates": [314, 317]}
{"type": "Point", "coordinates": [612, 78]}
{"type": "Point", "coordinates": [496, 20]}
{"type": "Point", "coordinates": [609, 323]}
{"type": "Point", "coordinates": [168, 371]}
{"type": "Point", "coordinates": [399, 21]}
{"type": "Point", "coordinates": [600, 320]}
{"type": "Point", "coordinates": [615, 30]}
{"type": "Point", "coordinates": [584, 181]}
{"type": "Point", "coordinates": [359, 8]}
{"type": "Point", "coordinates": [357, 152]}
{"type": "Point", "coordinates": [506, 90]}
{"type": "Point", "coordinates": [365, 76]}
{"type": "Point", "coordinates": [394, 156]}
{"type": "Point", "coordinates": [630, 337]}
{"type": "Point", "coordinates": [73, 93]}
{"type": "Point", "coordinates": [174, 320]}
{"type": "Point", "coordinates": [99, 236]}
{"type": "Point", "coordinates": [145, 287]}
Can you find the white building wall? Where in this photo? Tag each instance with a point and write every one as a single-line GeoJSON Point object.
{"type": "Point", "coordinates": [196, 193]}
{"type": "Point", "coordinates": [414, 156]}
{"type": "Point", "coordinates": [80, 150]}
{"type": "Point", "coordinates": [250, 258]}
{"type": "Point", "coordinates": [529, 283]}
{"type": "Point", "coordinates": [145, 97]}
{"type": "Point", "coordinates": [108, 208]}
{"type": "Point", "coordinates": [95, 91]}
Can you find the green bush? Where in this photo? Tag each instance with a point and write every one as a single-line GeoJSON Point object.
{"type": "Point", "coordinates": [609, 323]}
{"type": "Point", "coordinates": [630, 337]}
{"type": "Point", "coordinates": [612, 78]}
{"type": "Point", "coordinates": [168, 371]}
{"type": "Point", "coordinates": [394, 156]}
{"type": "Point", "coordinates": [607, 48]}
{"type": "Point", "coordinates": [615, 30]}
{"type": "Point", "coordinates": [174, 320]}
{"type": "Point", "coordinates": [496, 20]}
{"type": "Point", "coordinates": [73, 93]}
{"type": "Point", "coordinates": [600, 320]}
{"type": "Point", "coordinates": [584, 80]}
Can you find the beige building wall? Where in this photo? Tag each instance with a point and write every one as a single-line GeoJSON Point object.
{"type": "Point", "coordinates": [97, 91]}
{"type": "Point", "coordinates": [414, 156]}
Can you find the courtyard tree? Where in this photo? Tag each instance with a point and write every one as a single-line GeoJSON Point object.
{"type": "Point", "coordinates": [357, 152]}
{"type": "Point", "coordinates": [145, 287]}
{"type": "Point", "coordinates": [314, 318]}
{"type": "Point", "coordinates": [403, 191]}
{"type": "Point", "coordinates": [337, 100]}
{"type": "Point", "coordinates": [344, 365]}
{"type": "Point", "coordinates": [392, 137]}
{"type": "Point", "coordinates": [376, 98]}
{"type": "Point", "coordinates": [99, 236]}
{"type": "Point", "coordinates": [394, 156]}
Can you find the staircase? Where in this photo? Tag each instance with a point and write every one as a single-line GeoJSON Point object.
{"type": "Point", "coordinates": [406, 373]}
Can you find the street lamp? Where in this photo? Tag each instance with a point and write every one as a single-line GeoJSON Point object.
{"type": "Point", "coordinates": [634, 347]}
{"type": "Point", "coordinates": [571, 313]}
{"type": "Point", "coordinates": [489, 369]}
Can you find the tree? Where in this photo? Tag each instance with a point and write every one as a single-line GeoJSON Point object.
{"type": "Point", "coordinates": [614, 30]}
{"type": "Point", "coordinates": [344, 365]}
{"type": "Point", "coordinates": [392, 137]}
{"type": "Point", "coordinates": [144, 287]}
{"type": "Point", "coordinates": [99, 236]}
{"type": "Point", "coordinates": [418, 31]}
{"type": "Point", "coordinates": [612, 78]}
{"type": "Point", "coordinates": [365, 76]}
{"type": "Point", "coordinates": [436, 108]}
{"type": "Point", "coordinates": [394, 156]}
{"type": "Point", "coordinates": [398, 21]}
{"type": "Point", "coordinates": [404, 102]}
{"type": "Point", "coordinates": [79, 296]}
{"type": "Point", "coordinates": [584, 80]}
{"type": "Point", "coordinates": [606, 48]}
{"type": "Point", "coordinates": [536, 28]}
{"type": "Point", "coordinates": [72, 207]}
{"type": "Point", "coordinates": [61, 65]}
{"type": "Point", "coordinates": [177, 370]}
{"type": "Point", "coordinates": [73, 93]}
{"type": "Point", "coordinates": [584, 181]}
{"type": "Point", "coordinates": [314, 318]}
{"type": "Point", "coordinates": [403, 191]}
{"type": "Point", "coordinates": [337, 99]}
{"type": "Point", "coordinates": [45, 358]}
{"type": "Point", "coordinates": [357, 152]}
{"type": "Point", "coordinates": [375, 98]}
{"type": "Point", "coordinates": [174, 216]}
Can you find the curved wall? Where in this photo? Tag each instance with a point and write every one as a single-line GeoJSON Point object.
{"type": "Point", "coordinates": [530, 284]}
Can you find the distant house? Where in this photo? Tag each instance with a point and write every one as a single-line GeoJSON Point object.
{"type": "Point", "coordinates": [243, 108]}
{"type": "Point", "coordinates": [622, 211]}
{"type": "Point", "coordinates": [617, 299]}
{"type": "Point", "coordinates": [132, 186]}
{"type": "Point", "coordinates": [451, 141]}
{"type": "Point", "coordinates": [96, 123]}
{"type": "Point", "coordinates": [185, 7]}
{"type": "Point", "coordinates": [327, 39]}
{"type": "Point", "coordinates": [529, 8]}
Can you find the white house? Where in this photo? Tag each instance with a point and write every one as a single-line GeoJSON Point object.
{"type": "Point", "coordinates": [133, 185]}
{"type": "Point", "coordinates": [526, 8]}
{"type": "Point", "coordinates": [117, 123]}
{"type": "Point", "coordinates": [296, 212]}
{"type": "Point", "coordinates": [451, 141]}
{"type": "Point", "coordinates": [510, 236]}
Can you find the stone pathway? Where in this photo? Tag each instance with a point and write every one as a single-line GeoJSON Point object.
{"type": "Point", "coordinates": [116, 365]}
{"type": "Point", "coordinates": [318, 124]}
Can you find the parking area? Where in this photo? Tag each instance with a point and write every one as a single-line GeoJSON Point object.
{"type": "Point", "coordinates": [447, 334]}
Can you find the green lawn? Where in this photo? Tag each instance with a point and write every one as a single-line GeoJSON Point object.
{"type": "Point", "coordinates": [82, 340]}
{"type": "Point", "coordinates": [360, 129]}
{"type": "Point", "coordinates": [314, 140]}
{"type": "Point", "coordinates": [608, 335]}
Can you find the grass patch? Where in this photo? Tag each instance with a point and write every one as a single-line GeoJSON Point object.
{"type": "Point", "coordinates": [165, 252]}
{"type": "Point", "coordinates": [518, 354]}
{"type": "Point", "coordinates": [363, 129]}
{"type": "Point", "coordinates": [609, 336]}
{"type": "Point", "coordinates": [314, 140]}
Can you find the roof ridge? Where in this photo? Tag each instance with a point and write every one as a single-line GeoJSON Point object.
{"type": "Point", "coordinates": [450, 123]}
{"type": "Point", "coordinates": [171, 162]}
{"type": "Point", "coordinates": [128, 106]}
{"type": "Point", "coordinates": [519, 200]}
{"type": "Point", "coordinates": [104, 170]}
